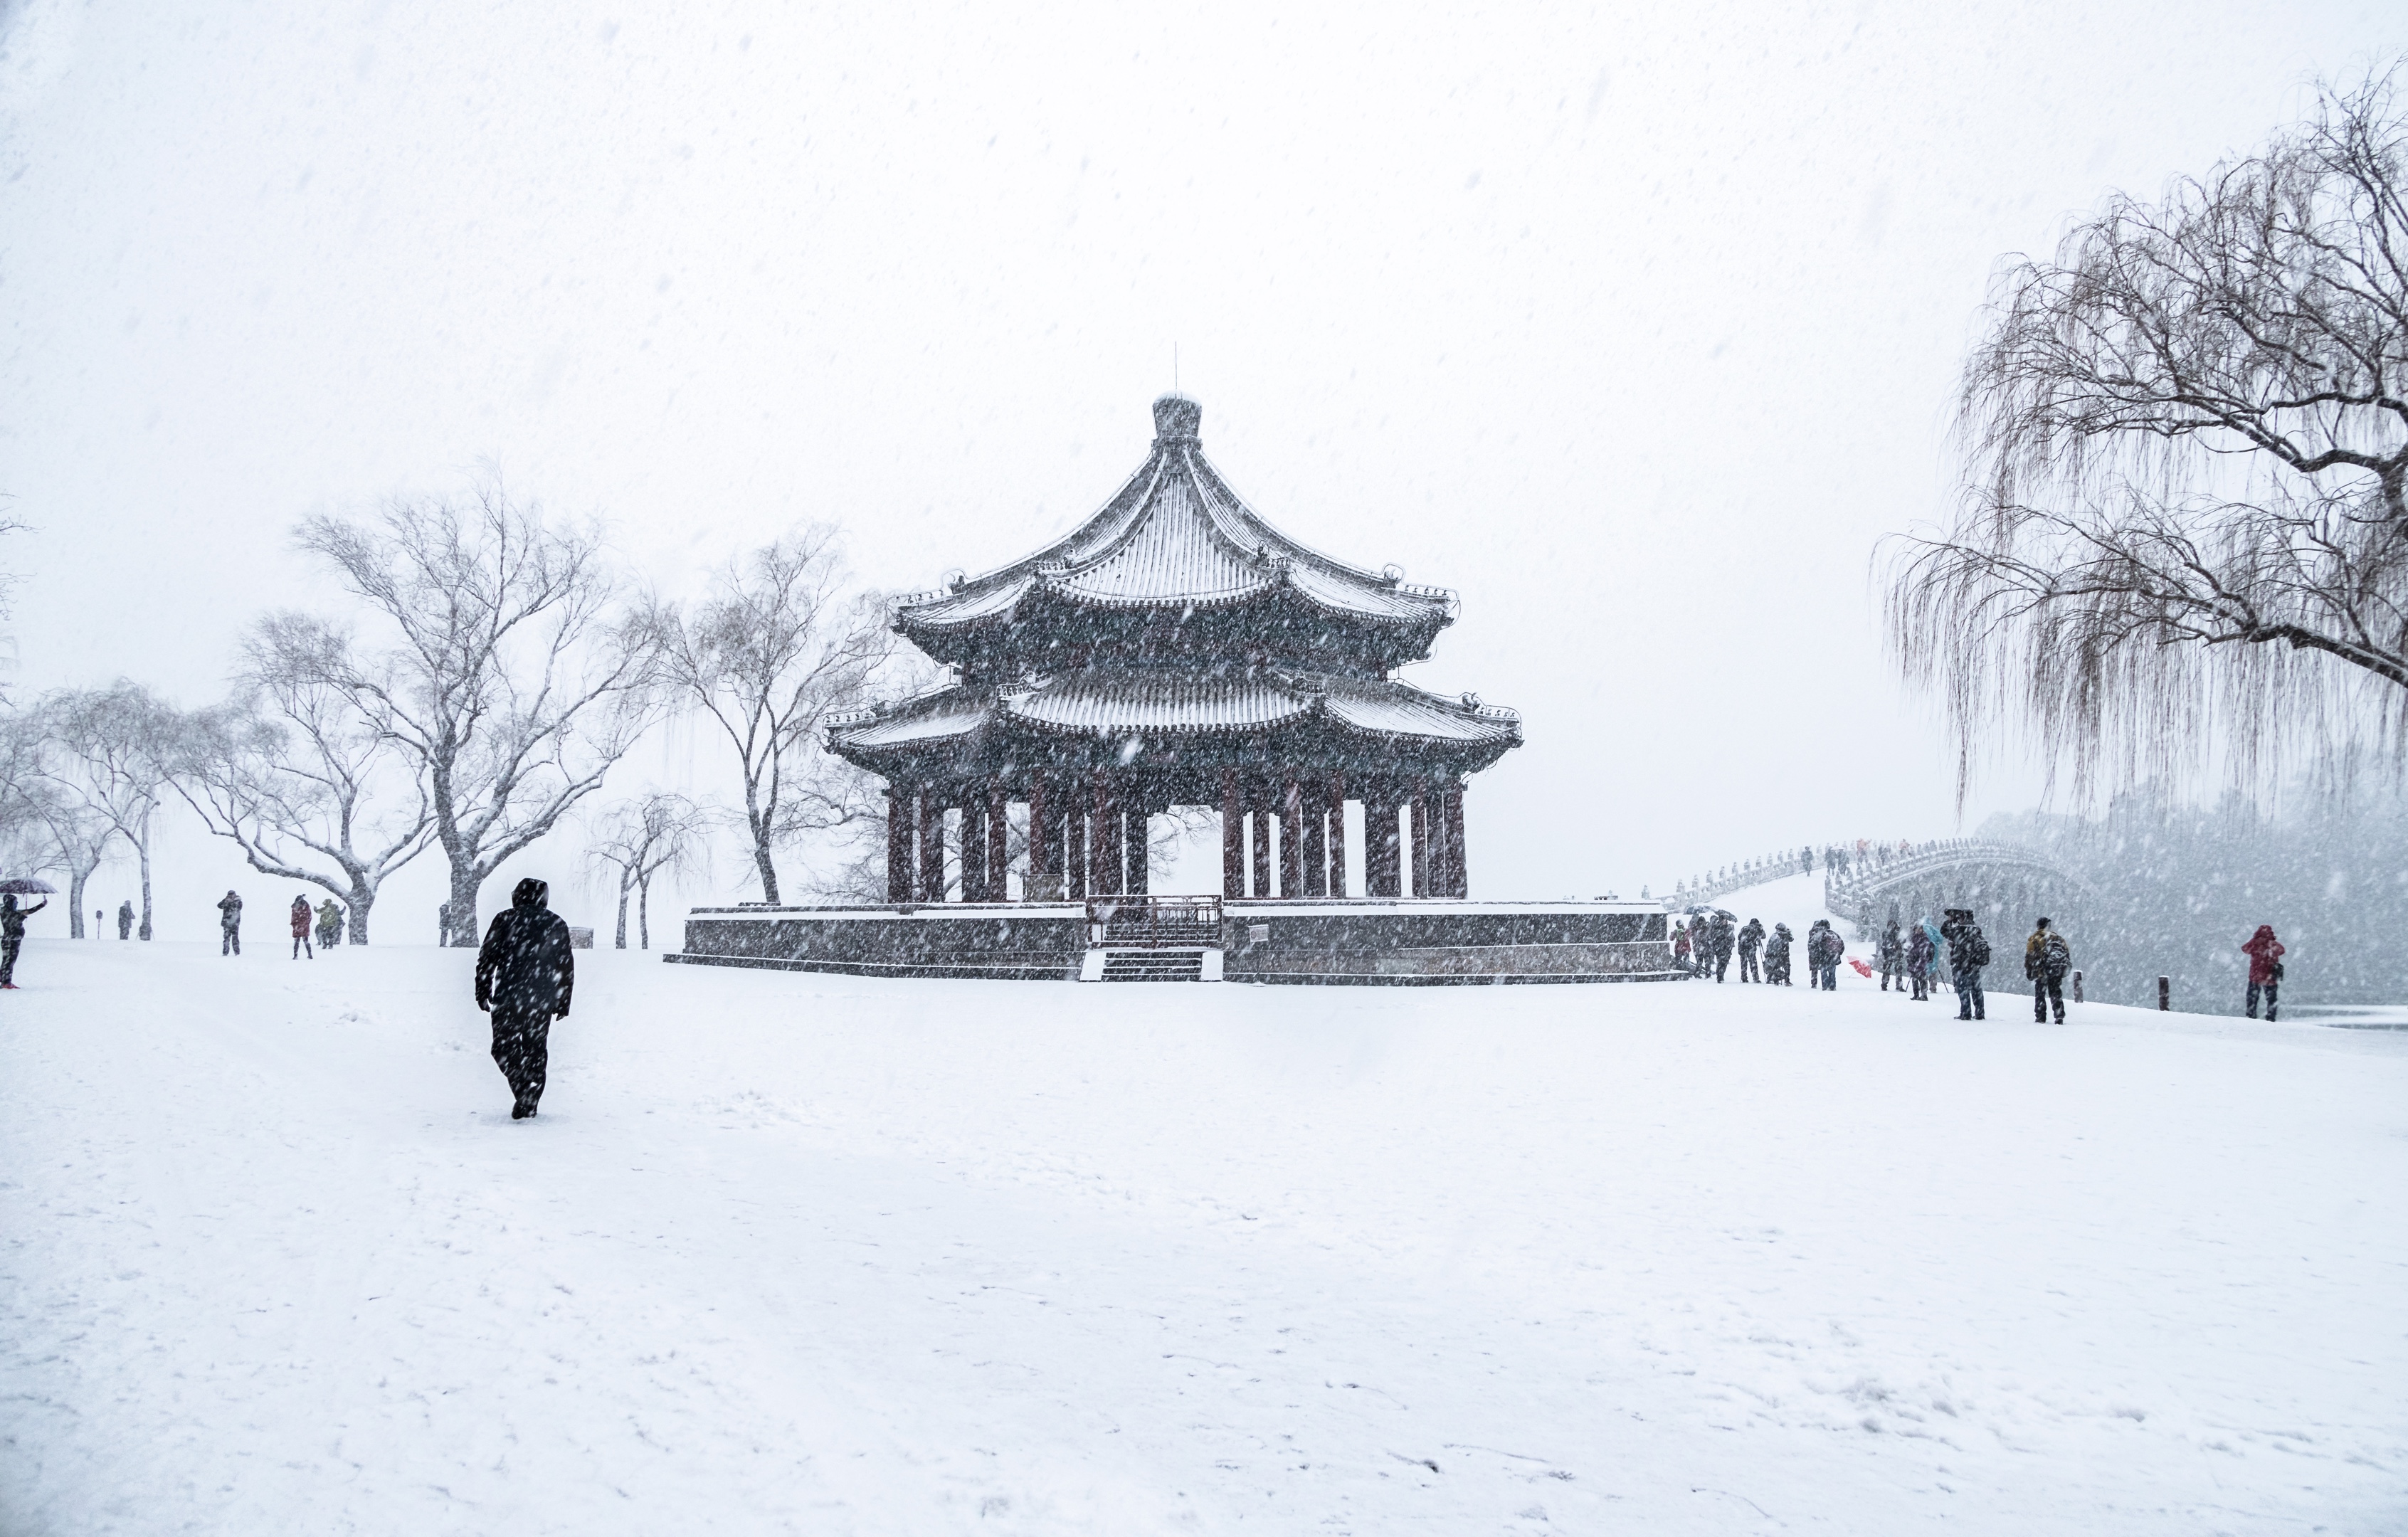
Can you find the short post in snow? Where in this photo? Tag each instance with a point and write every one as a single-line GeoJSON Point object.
{"type": "Point", "coordinates": [2077, 987]}
{"type": "Point", "coordinates": [2165, 993]}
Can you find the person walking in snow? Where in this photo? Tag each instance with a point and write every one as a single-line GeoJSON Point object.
{"type": "Point", "coordinates": [1776, 956]}
{"type": "Point", "coordinates": [301, 916]}
{"type": "Point", "coordinates": [230, 925]}
{"type": "Point", "coordinates": [330, 924]}
{"type": "Point", "coordinates": [1683, 948]}
{"type": "Point", "coordinates": [1967, 953]}
{"type": "Point", "coordinates": [2265, 953]}
{"type": "Point", "coordinates": [1919, 951]}
{"type": "Point", "coordinates": [1824, 948]}
{"type": "Point", "coordinates": [1751, 940]}
{"type": "Point", "coordinates": [1720, 937]}
{"type": "Point", "coordinates": [1892, 955]}
{"type": "Point", "coordinates": [525, 974]}
{"type": "Point", "coordinates": [12, 937]}
{"type": "Point", "coordinates": [125, 920]}
{"type": "Point", "coordinates": [2047, 958]}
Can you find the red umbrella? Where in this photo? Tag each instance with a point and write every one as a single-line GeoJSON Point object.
{"type": "Point", "coordinates": [26, 886]}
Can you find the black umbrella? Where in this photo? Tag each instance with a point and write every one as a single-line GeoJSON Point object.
{"type": "Point", "coordinates": [26, 886]}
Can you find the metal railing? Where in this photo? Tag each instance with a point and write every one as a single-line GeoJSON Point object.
{"type": "Point", "coordinates": [1154, 923]}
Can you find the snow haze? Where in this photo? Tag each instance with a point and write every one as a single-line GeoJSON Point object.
{"type": "Point", "coordinates": [1635, 325]}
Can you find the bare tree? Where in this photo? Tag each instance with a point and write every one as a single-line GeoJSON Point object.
{"type": "Point", "coordinates": [777, 647]}
{"type": "Point", "coordinates": [293, 768]}
{"type": "Point", "coordinates": [46, 823]}
{"type": "Point", "coordinates": [656, 833]}
{"type": "Point", "coordinates": [515, 677]}
{"type": "Point", "coordinates": [116, 749]}
{"type": "Point", "coordinates": [2186, 449]}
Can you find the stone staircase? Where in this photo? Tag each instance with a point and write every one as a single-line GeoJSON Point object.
{"type": "Point", "coordinates": [1153, 965]}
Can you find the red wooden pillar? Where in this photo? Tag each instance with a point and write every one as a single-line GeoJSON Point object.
{"type": "Point", "coordinates": [1421, 835]}
{"type": "Point", "coordinates": [1104, 848]}
{"type": "Point", "coordinates": [1041, 846]}
{"type": "Point", "coordinates": [898, 844]}
{"type": "Point", "coordinates": [1337, 835]}
{"type": "Point", "coordinates": [1074, 840]}
{"type": "Point", "coordinates": [1383, 852]}
{"type": "Point", "coordinates": [1136, 815]}
{"type": "Point", "coordinates": [998, 846]}
{"type": "Point", "coordinates": [932, 846]}
{"type": "Point", "coordinates": [1291, 838]}
{"type": "Point", "coordinates": [973, 846]}
{"type": "Point", "coordinates": [1458, 875]}
{"type": "Point", "coordinates": [1316, 842]}
{"type": "Point", "coordinates": [1233, 837]}
{"type": "Point", "coordinates": [1260, 795]}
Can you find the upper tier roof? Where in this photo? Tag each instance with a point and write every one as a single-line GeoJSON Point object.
{"type": "Point", "coordinates": [1175, 542]}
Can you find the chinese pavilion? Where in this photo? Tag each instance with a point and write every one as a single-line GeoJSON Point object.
{"type": "Point", "coordinates": [1175, 650]}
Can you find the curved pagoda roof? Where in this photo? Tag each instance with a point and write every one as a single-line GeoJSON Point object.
{"type": "Point", "coordinates": [1176, 566]}
{"type": "Point", "coordinates": [1170, 720]}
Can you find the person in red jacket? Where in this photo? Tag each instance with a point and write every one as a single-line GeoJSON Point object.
{"type": "Point", "coordinates": [301, 916]}
{"type": "Point", "coordinates": [2265, 953]}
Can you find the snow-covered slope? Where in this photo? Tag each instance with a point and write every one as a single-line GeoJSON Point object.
{"type": "Point", "coordinates": [819, 1254]}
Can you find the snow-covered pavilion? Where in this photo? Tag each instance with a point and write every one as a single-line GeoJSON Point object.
{"type": "Point", "coordinates": [1177, 650]}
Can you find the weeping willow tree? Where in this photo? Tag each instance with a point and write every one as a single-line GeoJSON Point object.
{"type": "Point", "coordinates": [2186, 449]}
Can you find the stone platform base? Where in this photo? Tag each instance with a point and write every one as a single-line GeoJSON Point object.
{"type": "Point", "coordinates": [1334, 942]}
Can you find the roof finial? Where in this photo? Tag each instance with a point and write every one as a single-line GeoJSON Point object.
{"type": "Point", "coordinates": [1176, 419]}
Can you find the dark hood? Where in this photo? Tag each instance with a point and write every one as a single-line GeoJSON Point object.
{"type": "Point", "coordinates": [530, 893]}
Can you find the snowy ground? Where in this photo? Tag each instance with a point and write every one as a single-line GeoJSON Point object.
{"type": "Point", "coordinates": [822, 1255]}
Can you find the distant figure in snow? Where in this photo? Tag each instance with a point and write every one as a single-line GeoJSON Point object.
{"type": "Point", "coordinates": [330, 924]}
{"type": "Point", "coordinates": [1892, 955]}
{"type": "Point", "coordinates": [96, 916]}
{"type": "Point", "coordinates": [1806, 860]}
{"type": "Point", "coordinates": [1751, 940]}
{"type": "Point", "coordinates": [1683, 948]}
{"type": "Point", "coordinates": [524, 976]}
{"type": "Point", "coordinates": [2265, 953]}
{"type": "Point", "coordinates": [1824, 948]}
{"type": "Point", "coordinates": [2047, 958]}
{"type": "Point", "coordinates": [12, 935]}
{"type": "Point", "coordinates": [230, 925]}
{"type": "Point", "coordinates": [1967, 953]}
{"type": "Point", "coordinates": [301, 916]}
{"type": "Point", "coordinates": [1776, 956]}
{"type": "Point", "coordinates": [1919, 951]}
{"type": "Point", "coordinates": [1720, 937]}
{"type": "Point", "coordinates": [125, 920]}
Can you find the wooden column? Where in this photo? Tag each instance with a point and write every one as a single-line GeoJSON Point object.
{"type": "Point", "coordinates": [1382, 854]}
{"type": "Point", "coordinates": [1337, 835]}
{"type": "Point", "coordinates": [998, 845]}
{"type": "Point", "coordinates": [1316, 842]}
{"type": "Point", "coordinates": [1074, 840]}
{"type": "Point", "coordinates": [932, 846]}
{"type": "Point", "coordinates": [1291, 838]}
{"type": "Point", "coordinates": [1104, 846]}
{"type": "Point", "coordinates": [1040, 844]}
{"type": "Point", "coordinates": [898, 844]}
{"type": "Point", "coordinates": [1233, 837]}
{"type": "Point", "coordinates": [1421, 841]}
{"type": "Point", "coordinates": [1134, 816]}
{"type": "Point", "coordinates": [1260, 796]}
{"type": "Point", "coordinates": [973, 846]}
{"type": "Point", "coordinates": [1458, 875]}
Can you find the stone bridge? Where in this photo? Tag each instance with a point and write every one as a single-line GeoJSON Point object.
{"type": "Point", "coordinates": [2006, 884]}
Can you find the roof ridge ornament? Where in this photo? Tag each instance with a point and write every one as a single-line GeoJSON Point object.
{"type": "Point", "coordinates": [1175, 419]}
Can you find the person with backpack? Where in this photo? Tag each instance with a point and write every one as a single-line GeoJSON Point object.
{"type": "Point", "coordinates": [1892, 956]}
{"type": "Point", "coordinates": [2047, 958]}
{"type": "Point", "coordinates": [1751, 940]}
{"type": "Point", "coordinates": [1776, 956]}
{"type": "Point", "coordinates": [2265, 953]}
{"type": "Point", "coordinates": [1919, 951]}
{"type": "Point", "coordinates": [330, 924]}
{"type": "Point", "coordinates": [1969, 951]}
{"type": "Point", "coordinates": [1824, 948]}
{"type": "Point", "coordinates": [1720, 938]}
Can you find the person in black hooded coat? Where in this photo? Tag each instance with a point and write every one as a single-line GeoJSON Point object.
{"type": "Point", "coordinates": [524, 975]}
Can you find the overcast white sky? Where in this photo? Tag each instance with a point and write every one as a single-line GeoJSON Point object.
{"type": "Point", "coordinates": [1635, 325]}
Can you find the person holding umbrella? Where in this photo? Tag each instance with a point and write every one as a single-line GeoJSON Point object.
{"type": "Point", "coordinates": [13, 925]}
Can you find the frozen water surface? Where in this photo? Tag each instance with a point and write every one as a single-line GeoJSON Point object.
{"type": "Point", "coordinates": [787, 1253]}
